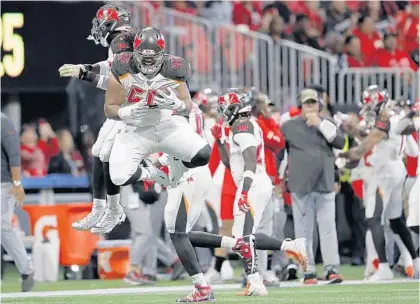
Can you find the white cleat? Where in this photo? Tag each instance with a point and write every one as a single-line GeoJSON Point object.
{"type": "Point", "coordinates": [90, 220]}
{"type": "Point", "coordinates": [111, 218]}
{"type": "Point", "coordinates": [270, 279]}
{"type": "Point", "coordinates": [384, 273]}
{"type": "Point", "coordinates": [255, 286]}
{"type": "Point", "coordinates": [213, 277]}
{"type": "Point", "coordinates": [176, 170]}
{"type": "Point", "coordinates": [156, 174]}
{"type": "Point", "coordinates": [296, 250]}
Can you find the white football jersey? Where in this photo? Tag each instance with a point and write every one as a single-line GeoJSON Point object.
{"type": "Point", "coordinates": [238, 142]}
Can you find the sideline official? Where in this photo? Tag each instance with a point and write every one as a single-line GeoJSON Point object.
{"type": "Point", "coordinates": [12, 194]}
{"type": "Point", "coordinates": [310, 140]}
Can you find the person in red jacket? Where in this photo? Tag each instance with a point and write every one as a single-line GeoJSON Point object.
{"type": "Point", "coordinates": [35, 152]}
{"type": "Point", "coordinates": [408, 28]}
{"type": "Point", "coordinates": [355, 57]}
{"type": "Point", "coordinates": [248, 13]}
{"type": "Point", "coordinates": [391, 57]}
{"type": "Point", "coordinates": [370, 40]}
{"type": "Point", "coordinates": [273, 139]}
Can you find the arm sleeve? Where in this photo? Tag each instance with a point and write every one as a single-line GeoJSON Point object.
{"type": "Point", "coordinates": [10, 141]}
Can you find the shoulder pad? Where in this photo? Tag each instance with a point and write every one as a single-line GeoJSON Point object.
{"type": "Point", "coordinates": [123, 64]}
{"type": "Point", "coordinates": [123, 42]}
{"type": "Point", "coordinates": [176, 68]}
{"type": "Point", "coordinates": [242, 126]}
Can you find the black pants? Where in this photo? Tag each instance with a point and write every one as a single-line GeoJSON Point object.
{"type": "Point", "coordinates": [355, 217]}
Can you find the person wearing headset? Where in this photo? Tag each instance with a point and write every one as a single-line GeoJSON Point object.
{"type": "Point", "coordinates": [310, 140]}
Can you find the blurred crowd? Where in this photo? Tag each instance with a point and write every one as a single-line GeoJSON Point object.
{"type": "Point", "coordinates": [44, 151]}
{"type": "Point", "coordinates": [359, 33]}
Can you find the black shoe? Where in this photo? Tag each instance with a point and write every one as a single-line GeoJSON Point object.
{"type": "Point", "coordinates": [333, 277]}
{"type": "Point", "coordinates": [310, 279]}
{"type": "Point", "coordinates": [27, 283]}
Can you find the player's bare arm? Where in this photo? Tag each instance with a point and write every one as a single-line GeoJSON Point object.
{"type": "Point", "coordinates": [366, 145]}
{"type": "Point", "coordinates": [184, 95]}
{"type": "Point", "coordinates": [224, 154]}
{"type": "Point", "coordinates": [114, 98]}
{"type": "Point", "coordinates": [243, 135]}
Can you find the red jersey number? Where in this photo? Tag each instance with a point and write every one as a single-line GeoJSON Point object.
{"type": "Point", "coordinates": [136, 95]}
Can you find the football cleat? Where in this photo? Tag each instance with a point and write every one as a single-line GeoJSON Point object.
{"type": "Point", "coordinates": [199, 294]}
{"type": "Point", "coordinates": [90, 220]}
{"type": "Point", "coordinates": [244, 247]}
{"type": "Point", "coordinates": [296, 250]}
{"type": "Point", "coordinates": [111, 218]}
{"type": "Point", "coordinates": [255, 286]}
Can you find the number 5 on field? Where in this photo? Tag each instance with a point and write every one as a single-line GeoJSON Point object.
{"type": "Point", "coordinates": [14, 63]}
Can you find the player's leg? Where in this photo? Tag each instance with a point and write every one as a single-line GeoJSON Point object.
{"type": "Point", "coordinates": [325, 215]}
{"type": "Point", "coordinates": [413, 220]}
{"type": "Point", "coordinates": [393, 206]}
{"type": "Point", "coordinates": [185, 148]}
{"type": "Point", "coordinates": [375, 237]}
{"type": "Point", "coordinates": [179, 217]}
{"type": "Point", "coordinates": [98, 180]}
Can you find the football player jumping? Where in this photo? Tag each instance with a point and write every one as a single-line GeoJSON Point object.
{"type": "Point", "coordinates": [110, 28]}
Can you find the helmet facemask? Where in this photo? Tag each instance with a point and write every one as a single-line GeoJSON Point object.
{"type": "Point", "coordinates": [148, 61]}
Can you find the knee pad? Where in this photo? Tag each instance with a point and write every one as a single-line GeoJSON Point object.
{"type": "Point", "coordinates": [202, 157]}
{"type": "Point", "coordinates": [119, 177]}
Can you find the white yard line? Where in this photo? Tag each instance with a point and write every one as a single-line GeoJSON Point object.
{"type": "Point", "coordinates": [165, 289]}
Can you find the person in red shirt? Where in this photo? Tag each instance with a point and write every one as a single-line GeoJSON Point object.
{"type": "Point", "coordinates": [311, 9]}
{"type": "Point", "coordinates": [248, 13]}
{"type": "Point", "coordinates": [370, 40]}
{"type": "Point", "coordinates": [391, 57]}
{"type": "Point", "coordinates": [408, 28]}
{"type": "Point", "coordinates": [273, 139]}
{"type": "Point", "coordinates": [36, 153]}
{"type": "Point", "coordinates": [355, 57]}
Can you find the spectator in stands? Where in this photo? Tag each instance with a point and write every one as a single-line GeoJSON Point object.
{"type": "Point", "coordinates": [276, 28]}
{"type": "Point", "coordinates": [281, 8]}
{"type": "Point", "coordinates": [187, 7]}
{"type": "Point", "coordinates": [390, 57]}
{"type": "Point", "coordinates": [248, 13]}
{"type": "Point", "coordinates": [378, 10]}
{"type": "Point", "coordinates": [316, 21]}
{"type": "Point", "coordinates": [219, 12]}
{"type": "Point", "coordinates": [334, 44]}
{"type": "Point", "coordinates": [337, 16]}
{"type": "Point", "coordinates": [303, 34]}
{"type": "Point", "coordinates": [355, 57]}
{"type": "Point", "coordinates": [69, 160]}
{"type": "Point", "coordinates": [408, 28]}
{"type": "Point", "coordinates": [36, 153]}
{"type": "Point", "coordinates": [370, 40]}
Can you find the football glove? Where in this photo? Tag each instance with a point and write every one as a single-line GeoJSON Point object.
{"type": "Point", "coordinates": [72, 70]}
{"type": "Point", "coordinates": [243, 202]}
{"type": "Point", "coordinates": [216, 130]}
{"type": "Point", "coordinates": [168, 101]}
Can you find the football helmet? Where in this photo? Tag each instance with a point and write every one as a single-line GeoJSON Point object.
{"type": "Point", "coordinates": [149, 46]}
{"type": "Point", "coordinates": [108, 19]}
{"type": "Point", "coordinates": [374, 101]}
{"type": "Point", "coordinates": [207, 100]}
{"type": "Point", "coordinates": [233, 104]}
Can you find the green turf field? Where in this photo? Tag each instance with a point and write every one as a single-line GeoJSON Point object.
{"type": "Point", "coordinates": [97, 291]}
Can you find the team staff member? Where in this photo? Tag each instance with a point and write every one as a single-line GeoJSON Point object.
{"type": "Point", "coordinates": [310, 140]}
{"type": "Point", "coordinates": [12, 194]}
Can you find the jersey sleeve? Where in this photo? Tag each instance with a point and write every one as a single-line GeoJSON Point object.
{"type": "Point", "coordinates": [121, 64]}
{"type": "Point", "coordinates": [243, 134]}
{"type": "Point", "coordinates": [176, 68]}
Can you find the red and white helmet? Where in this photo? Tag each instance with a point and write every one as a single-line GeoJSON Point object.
{"type": "Point", "coordinates": [374, 100]}
{"type": "Point", "coordinates": [207, 100]}
{"type": "Point", "coordinates": [233, 104]}
{"type": "Point", "coordinates": [108, 19]}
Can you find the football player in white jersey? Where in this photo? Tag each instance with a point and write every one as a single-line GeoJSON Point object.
{"type": "Point", "coordinates": [244, 155]}
{"type": "Point", "coordinates": [388, 174]}
{"type": "Point", "coordinates": [111, 29]}
{"type": "Point", "coordinates": [406, 126]}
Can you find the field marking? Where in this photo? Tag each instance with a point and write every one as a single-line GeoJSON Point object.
{"type": "Point", "coordinates": [168, 289]}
